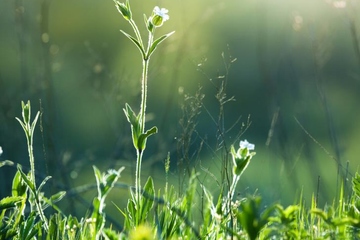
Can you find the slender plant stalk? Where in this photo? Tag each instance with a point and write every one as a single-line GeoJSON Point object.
{"type": "Point", "coordinates": [142, 122]}
{"type": "Point", "coordinates": [144, 92]}
{"type": "Point", "coordinates": [31, 159]}
{"type": "Point", "coordinates": [231, 192]}
{"type": "Point", "coordinates": [138, 174]}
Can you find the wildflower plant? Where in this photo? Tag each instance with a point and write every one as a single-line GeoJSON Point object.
{"type": "Point", "coordinates": [137, 121]}
{"type": "Point", "coordinates": [29, 128]}
{"type": "Point", "coordinates": [241, 159]}
{"type": "Point", "coordinates": [104, 182]}
{"type": "Point", "coordinates": [225, 215]}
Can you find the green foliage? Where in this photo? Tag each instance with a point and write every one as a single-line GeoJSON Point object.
{"type": "Point", "coordinates": [172, 215]}
{"type": "Point", "coordinates": [9, 202]}
{"type": "Point", "coordinates": [134, 121]}
{"type": "Point", "coordinates": [104, 182]}
{"type": "Point", "coordinates": [251, 217]}
{"type": "Point", "coordinates": [168, 222]}
{"type": "Point", "coordinates": [136, 214]}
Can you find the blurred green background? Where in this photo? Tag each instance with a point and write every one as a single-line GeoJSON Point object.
{"type": "Point", "coordinates": [296, 77]}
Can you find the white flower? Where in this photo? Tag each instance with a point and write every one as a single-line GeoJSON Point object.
{"type": "Point", "coordinates": [246, 144]}
{"type": "Point", "coordinates": [159, 16]}
{"type": "Point", "coordinates": [1, 151]}
{"type": "Point", "coordinates": [162, 13]}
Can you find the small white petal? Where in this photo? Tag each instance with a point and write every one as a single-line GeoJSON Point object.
{"type": "Point", "coordinates": [1, 151]}
{"type": "Point", "coordinates": [246, 144]}
{"type": "Point", "coordinates": [162, 13]}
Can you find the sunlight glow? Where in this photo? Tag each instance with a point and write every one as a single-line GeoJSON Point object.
{"type": "Point", "coordinates": [339, 4]}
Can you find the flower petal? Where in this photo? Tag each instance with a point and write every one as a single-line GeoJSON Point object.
{"type": "Point", "coordinates": [246, 144]}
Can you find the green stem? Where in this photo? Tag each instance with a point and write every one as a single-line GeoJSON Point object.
{"type": "Point", "coordinates": [236, 179]}
{"type": "Point", "coordinates": [144, 93]}
{"type": "Point", "coordinates": [139, 154]}
{"type": "Point", "coordinates": [31, 158]}
{"type": "Point", "coordinates": [32, 176]}
{"type": "Point", "coordinates": [145, 63]}
{"type": "Point", "coordinates": [150, 42]}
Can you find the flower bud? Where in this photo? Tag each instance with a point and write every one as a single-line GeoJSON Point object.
{"type": "Point", "coordinates": [124, 9]}
{"type": "Point", "coordinates": [26, 111]}
{"type": "Point", "coordinates": [241, 157]}
{"type": "Point", "coordinates": [159, 16]}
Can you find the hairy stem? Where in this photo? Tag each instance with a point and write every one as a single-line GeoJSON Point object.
{"type": "Point", "coordinates": [139, 152]}
{"type": "Point", "coordinates": [231, 192]}
{"type": "Point", "coordinates": [31, 159]}
{"type": "Point", "coordinates": [144, 93]}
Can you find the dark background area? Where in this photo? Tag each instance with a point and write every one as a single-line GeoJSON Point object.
{"type": "Point", "coordinates": [296, 77]}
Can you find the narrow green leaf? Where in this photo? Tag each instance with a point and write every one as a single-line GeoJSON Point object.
{"type": "Point", "coordinates": [18, 186]}
{"type": "Point", "coordinates": [54, 228]}
{"type": "Point", "coordinates": [58, 196]}
{"type": "Point", "coordinates": [144, 136]}
{"type": "Point", "coordinates": [147, 201]}
{"type": "Point", "coordinates": [10, 202]}
{"type": "Point", "coordinates": [26, 226]}
{"type": "Point", "coordinates": [130, 114]}
{"type": "Point", "coordinates": [356, 185]}
{"type": "Point", "coordinates": [34, 123]}
{"type": "Point", "coordinates": [27, 180]}
{"type": "Point", "coordinates": [53, 199]}
{"type": "Point", "coordinates": [145, 19]}
{"type": "Point", "coordinates": [96, 206]}
{"type": "Point", "coordinates": [43, 183]}
{"type": "Point", "coordinates": [157, 42]}
{"type": "Point", "coordinates": [26, 111]}
{"type": "Point", "coordinates": [136, 42]}
{"type": "Point", "coordinates": [6, 163]}
{"type": "Point", "coordinates": [98, 178]}
{"type": "Point", "coordinates": [33, 231]}
{"type": "Point", "coordinates": [22, 125]}
{"type": "Point", "coordinates": [134, 121]}
{"type": "Point", "coordinates": [131, 212]}
{"type": "Point", "coordinates": [8, 234]}
{"type": "Point", "coordinates": [190, 193]}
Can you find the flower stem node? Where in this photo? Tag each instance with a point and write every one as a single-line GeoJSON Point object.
{"type": "Point", "coordinates": [139, 137]}
{"type": "Point", "coordinates": [150, 26]}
